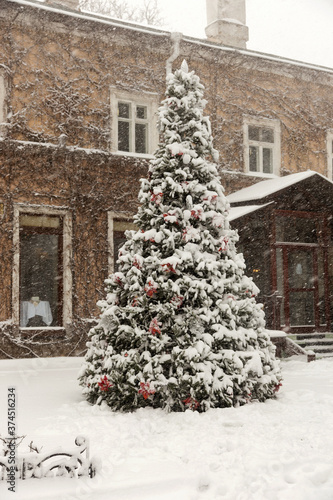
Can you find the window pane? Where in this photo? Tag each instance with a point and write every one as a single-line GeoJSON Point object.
{"type": "Point", "coordinates": [39, 279]}
{"type": "Point", "coordinates": [300, 269]}
{"type": "Point", "coordinates": [321, 288]}
{"type": "Point", "coordinates": [123, 225]}
{"type": "Point", "coordinates": [39, 221]}
{"type": "Point", "coordinates": [123, 136]}
{"type": "Point", "coordinates": [267, 160]}
{"type": "Point", "coordinates": [301, 308]}
{"type": "Point", "coordinates": [141, 138]}
{"type": "Point", "coordinates": [118, 241]}
{"type": "Point", "coordinates": [267, 135]}
{"type": "Point", "coordinates": [123, 110]}
{"type": "Point", "coordinates": [280, 285]}
{"type": "Point", "coordinates": [141, 112]}
{"type": "Point", "coordinates": [253, 158]}
{"type": "Point", "coordinates": [296, 229]}
{"type": "Point", "coordinates": [254, 133]}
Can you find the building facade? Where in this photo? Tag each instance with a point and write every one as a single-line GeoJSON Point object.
{"type": "Point", "coordinates": [79, 95]}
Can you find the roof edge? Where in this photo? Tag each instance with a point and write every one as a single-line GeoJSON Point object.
{"type": "Point", "coordinates": [263, 189]}
{"type": "Point", "coordinates": [100, 18]}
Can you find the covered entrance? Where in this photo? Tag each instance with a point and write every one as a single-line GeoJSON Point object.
{"type": "Point", "coordinates": [286, 235]}
{"type": "Point", "coordinates": [299, 277]}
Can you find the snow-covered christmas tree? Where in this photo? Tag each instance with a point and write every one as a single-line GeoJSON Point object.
{"type": "Point", "coordinates": [180, 327]}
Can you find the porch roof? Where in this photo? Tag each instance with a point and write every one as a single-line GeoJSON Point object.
{"type": "Point", "coordinates": [263, 189]}
{"type": "Point", "coordinates": [238, 212]}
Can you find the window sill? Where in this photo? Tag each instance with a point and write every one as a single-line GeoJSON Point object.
{"type": "Point", "coordinates": [133, 155]}
{"type": "Point", "coordinates": [39, 328]}
{"type": "Point", "coordinates": [261, 174]}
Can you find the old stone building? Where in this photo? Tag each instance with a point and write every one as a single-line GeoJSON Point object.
{"type": "Point", "coordinates": [78, 100]}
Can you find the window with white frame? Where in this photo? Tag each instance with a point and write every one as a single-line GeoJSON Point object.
{"type": "Point", "coordinates": [262, 146]}
{"type": "Point", "coordinates": [42, 279]}
{"type": "Point", "coordinates": [134, 118]}
{"type": "Point", "coordinates": [329, 145]}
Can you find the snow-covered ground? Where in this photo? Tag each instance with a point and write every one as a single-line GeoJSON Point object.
{"type": "Point", "coordinates": [278, 450]}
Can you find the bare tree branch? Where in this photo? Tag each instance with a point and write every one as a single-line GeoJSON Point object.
{"type": "Point", "coordinates": [145, 12]}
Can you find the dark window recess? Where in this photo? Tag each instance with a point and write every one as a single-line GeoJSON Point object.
{"type": "Point", "coordinates": [267, 160]}
{"type": "Point", "coordinates": [254, 157]}
{"type": "Point", "coordinates": [141, 112]}
{"type": "Point", "coordinates": [254, 133]}
{"type": "Point", "coordinates": [123, 136]}
{"type": "Point", "coordinates": [261, 134]}
{"type": "Point", "coordinates": [141, 138]}
{"type": "Point", "coordinates": [118, 241]}
{"type": "Point", "coordinates": [267, 135]}
{"type": "Point", "coordinates": [123, 110]}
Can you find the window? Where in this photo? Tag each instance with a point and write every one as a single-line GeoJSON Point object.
{"type": "Point", "coordinates": [118, 224]}
{"type": "Point", "coordinates": [134, 130]}
{"type": "Point", "coordinates": [330, 154]}
{"type": "Point", "coordinates": [2, 104]}
{"type": "Point", "coordinates": [40, 270]}
{"type": "Point", "coordinates": [262, 146]}
{"type": "Point", "coordinates": [42, 280]}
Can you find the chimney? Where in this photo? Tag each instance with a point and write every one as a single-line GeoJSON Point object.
{"type": "Point", "coordinates": [226, 22]}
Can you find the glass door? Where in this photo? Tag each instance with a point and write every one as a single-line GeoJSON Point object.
{"type": "Point", "coordinates": [301, 287]}
{"type": "Point", "coordinates": [300, 280]}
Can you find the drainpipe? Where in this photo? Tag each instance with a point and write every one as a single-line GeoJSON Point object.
{"type": "Point", "coordinates": [175, 38]}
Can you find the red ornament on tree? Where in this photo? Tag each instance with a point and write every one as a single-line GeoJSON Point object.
{"type": "Point", "coordinates": [150, 288]}
{"type": "Point", "coordinates": [171, 217]}
{"type": "Point", "coordinates": [224, 244]}
{"type": "Point", "coordinates": [145, 390]}
{"type": "Point", "coordinates": [168, 268]}
{"type": "Point", "coordinates": [154, 326]}
{"type": "Point", "coordinates": [177, 300]}
{"type": "Point", "coordinates": [196, 213]}
{"type": "Point", "coordinates": [136, 263]}
{"type": "Point", "coordinates": [104, 384]}
{"type": "Point", "coordinates": [156, 198]}
{"type": "Point", "coordinates": [118, 280]}
{"type": "Point", "coordinates": [135, 302]}
{"type": "Point", "coordinates": [191, 403]}
{"type": "Point", "coordinates": [277, 387]}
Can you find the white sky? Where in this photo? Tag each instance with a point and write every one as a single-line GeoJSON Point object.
{"type": "Point", "coordinates": [298, 29]}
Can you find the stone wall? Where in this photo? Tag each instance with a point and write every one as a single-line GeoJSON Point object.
{"type": "Point", "coordinates": [59, 70]}
{"type": "Point", "coordinates": [87, 185]}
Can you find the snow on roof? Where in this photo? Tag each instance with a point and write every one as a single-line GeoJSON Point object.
{"type": "Point", "coordinates": [83, 14]}
{"type": "Point", "coordinates": [92, 16]}
{"type": "Point", "coordinates": [265, 188]}
{"type": "Point", "coordinates": [237, 212]}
